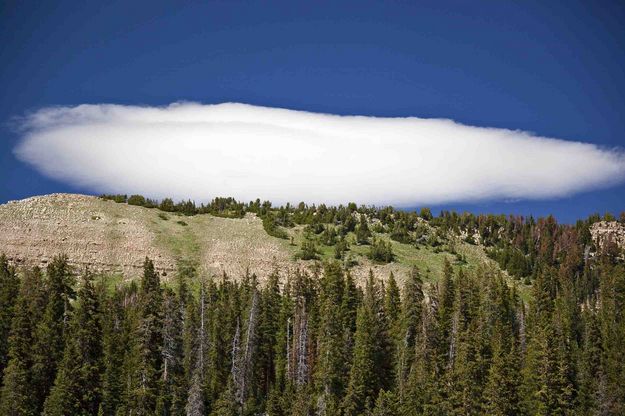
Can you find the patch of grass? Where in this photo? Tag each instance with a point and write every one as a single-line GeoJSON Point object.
{"type": "Point", "coordinates": [163, 216]}
{"type": "Point", "coordinates": [181, 242]}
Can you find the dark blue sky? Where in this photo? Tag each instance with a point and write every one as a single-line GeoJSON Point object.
{"type": "Point", "coordinates": [556, 70]}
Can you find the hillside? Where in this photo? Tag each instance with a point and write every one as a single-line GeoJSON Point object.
{"type": "Point", "coordinates": [116, 237]}
{"type": "Point", "coordinates": [248, 347]}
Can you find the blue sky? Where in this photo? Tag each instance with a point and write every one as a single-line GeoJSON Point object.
{"type": "Point", "coordinates": [554, 70]}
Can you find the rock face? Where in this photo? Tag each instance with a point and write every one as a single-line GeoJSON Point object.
{"type": "Point", "coordinates": [604, 231]}
{"type": "Point", "coordinates": [116, 238]}
{"type": "Point", "coordinates": [88, 230]}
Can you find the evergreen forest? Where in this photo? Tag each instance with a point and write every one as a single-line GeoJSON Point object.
{"type": "Point", "coordinates": [317, 342]}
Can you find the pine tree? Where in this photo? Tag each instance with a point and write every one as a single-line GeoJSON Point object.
{"type": "Point", "coordinates": [226, 405]}
{"type": "Point", "coordinates": [502, 393]}
{"type": "Point", "coordinates": [9, 288]}
{"type": "Point", "coordinates": [612, 326]}
{"type": "Point", "coordinates": [268, 328]}
{"type": "Point", "coordinates": [387, 404]}
{"type": "Point", "coordinates": [392, 312]}
{"type": "Point", "coordinates": [392, 302]}
{"type": "Point", "coordinates": [370, 365]}
{"type": "Point", "coordinates": [410, 320]}
{"type": "Point", "coordinates": [18, 385]}
{"type": "Point", "coordinates": [330, 374]}
{"type": "Point", "coordinates": [172, 397]}
{"type": "Point", "coordinates": [590, 370]}
{"type": "Point", "coordinates": [51, 331]}
{"type": "Point", "coordinates": [424, 387]}
{"type": "Point", "coordinates": [77, 387]}
{"type": "Point", "coordinates": [143, 395]}
{"type": "Point", "coordinates": [115, 342]}
{"type": "Point", "coordinates": [195, 401]}
{"type": "Point", "coordinates": [363, 234]}
{"type": "Point", "coordinates": [446, 296]}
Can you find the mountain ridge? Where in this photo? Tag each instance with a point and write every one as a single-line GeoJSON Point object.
{"type": "Point", "coordinates": [115, 238]}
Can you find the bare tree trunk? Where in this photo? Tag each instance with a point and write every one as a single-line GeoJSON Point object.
{"type": "Point", "coordinates": [242, 363]}
{"type": "Point", "coordinates": [289, 376]}
{"type": "Point", "coordinates": [302, 347]}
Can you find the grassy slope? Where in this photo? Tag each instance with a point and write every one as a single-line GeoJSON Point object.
{"type": "Point", "coordinates": [429, 260]}
{"type": "Point", "coordinates": [206, 237]}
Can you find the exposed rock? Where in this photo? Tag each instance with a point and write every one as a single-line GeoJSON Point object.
{"type": "Point", "coordinates": [608, 231]}
{"type": "Point", "coordinates": [90, 231]}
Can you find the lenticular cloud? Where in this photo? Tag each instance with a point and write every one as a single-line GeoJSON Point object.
{"type": "Point", "coordinates": [188, 150]}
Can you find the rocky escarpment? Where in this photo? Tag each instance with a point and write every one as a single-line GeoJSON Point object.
{"type": "Point", "coordinates": [116, 238]}
{"type": "Point", "coordinates": [604, 232]}
{"type": "Point", "coordinates": [91, 232]}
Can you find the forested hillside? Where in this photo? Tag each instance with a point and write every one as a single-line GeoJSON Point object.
{"type": "Point", "coordinates": [543, 336]}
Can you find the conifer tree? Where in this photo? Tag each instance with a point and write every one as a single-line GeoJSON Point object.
{"type": "Point", "coordinates": [18, 384]}
{"type": "Point", "coordinates": [77, 387]}
{"type": "Point", "coordinates": [9, 288]}
{"type": "Point", "coordinates": [387, 404]}
{"type": "Point", "coordinates": [424, 382]}
{"type": "Point", "coordinates": [612, 324]}
{"type": "Point", "coordinates": [195, 401]}
{"type": "Point", "coordinates": [330, 375]}
{"type": "Point", "coordinates": [362, 232]}
{"type": "Point", "coordinates": [446, 296]}
{"type": "Point", "coordinates": [115, 343]}
{"type": "Point", "coordinates": [410, 324]}
{"type": "Point", "coordinates": [392, 302]}
{"type": "Point", "coordinates": [172, 397]}
{"type": "Point", "coordinates": [369, 372]}
{"type": "Point", "coordinates": [142, 397]}
{"type": "Point", "coordinates": [51, 331]}
{"type": "Point", "coordinates": [268, 328]}
{"type": "Point", "coordinates": [502, 393]}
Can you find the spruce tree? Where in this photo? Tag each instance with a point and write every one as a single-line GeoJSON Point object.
{"type": "Point", "coordinates": [268, 329]}
{"type": "Point", "coordinates": [172, 397]}
{"type": "Point", "coordinates": [330, 375]}
{"type": "Point", "coordinates": [363, 234]}
{"type": "Point", "coordinates": [18, 384]}
{"type": "Point", "coordinates": [424, 385]}
{"type": "Point", "coordinates": [370, 369]}
{"type": "Point", "coordinates": [502, 392]}
{"type": "Point", "coordinates": [387, 404]}
{"type": "Point", "coordinates": [77, 387]}
{"type": "Point", "coordinates": [51, 331]}
{"type": "Point", "coordinates": [9, 289]}
{"type": "Point", "coordinates": [410, 324]}
{"type": "Point", "coordinates": [115, 336]}
{"type": "Point", "coordinates": [144, 388]}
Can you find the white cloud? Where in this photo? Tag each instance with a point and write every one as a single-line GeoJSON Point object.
{"type": "Point", "coordinates": [189, 150]}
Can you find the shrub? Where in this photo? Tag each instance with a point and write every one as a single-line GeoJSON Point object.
{"type": "Point", "coordinates": [340, 249]}
{"type": "Point", "coordinates": [309, 251]}
{"type": "Point", "coordinates": [167, 205]}
{"type": "Point", "coordinates": [117, 197]}
{"type": "Point", "coordinates": [381, 251]}
{"type": "Point", "coordinates": [272, 228]}
{"type": "Point", "coordinates": [328, 236]}
{"type": "Point", "coordinates": [400, 234]}
{"type": "Point", "coordinates": [136, 200]}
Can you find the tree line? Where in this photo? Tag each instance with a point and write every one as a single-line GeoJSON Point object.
{"type": "Point", "coordinates": [314, 343]}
